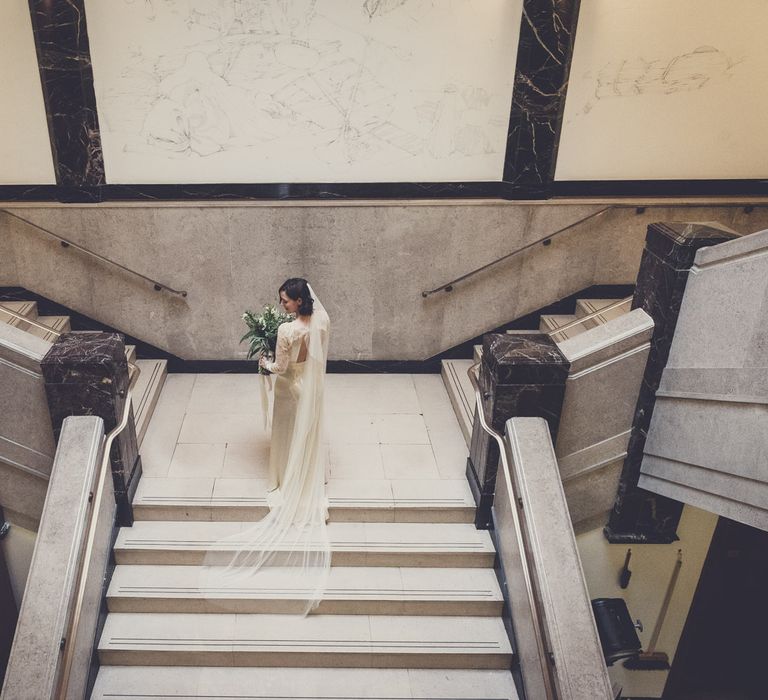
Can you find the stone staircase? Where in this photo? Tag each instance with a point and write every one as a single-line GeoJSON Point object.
{"type": "Point", "coordinates": [454, 372]}
{"type": "Point", "coordinates": [412, 609]}
{"type": "Point", "coordinates": [150, 378]}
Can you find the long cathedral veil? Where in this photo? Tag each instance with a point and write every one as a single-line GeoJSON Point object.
{"type": "Point", "coordinates": [294, 534]}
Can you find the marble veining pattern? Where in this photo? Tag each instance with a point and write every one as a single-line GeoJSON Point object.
{"type": "Point", "coordinates": [86, 374]}
{"type": "Point", "coordinates": [541, 78]}
{"type": "Point", "coordinates": [63, 54]}
{"type": "Point", "coordinates": [521, 374]}
{"type": "Point", "coordinates": [638, 515]}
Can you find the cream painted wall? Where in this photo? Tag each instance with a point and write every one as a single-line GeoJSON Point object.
{"type": "Point", "coordinates": [25, 152]}
{"type": "Point", "coordinates": [651, 567]}
{"type": "Point", "coordinates": [368, 261]}
{"type": "Point", "coordinates": [667, 90]}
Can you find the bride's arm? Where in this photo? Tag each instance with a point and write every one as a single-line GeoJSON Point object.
{"type": "Point", "coordinates": [282, 352]}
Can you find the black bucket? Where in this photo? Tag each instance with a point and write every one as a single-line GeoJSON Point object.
{"type": "Point", "coordinates": [616, 629]}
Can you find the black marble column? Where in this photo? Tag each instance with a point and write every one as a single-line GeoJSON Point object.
{"type": "Point", "coordinates": [638, 515]}
{"type": "Point", "coordinates": [544, 55]}
{"type": "Point", "coordinates": [522, 374]}
{"type": "Point", "coordinates": [86, 374]}
{"type": "Point", "coordinates": [64, 59]}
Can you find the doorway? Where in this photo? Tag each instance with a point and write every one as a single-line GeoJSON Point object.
{"type": "Point", "coordinates": [723, 651]}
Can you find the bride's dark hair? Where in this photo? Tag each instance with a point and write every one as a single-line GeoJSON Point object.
{"type": "Point", "coordinates": [297, 288]}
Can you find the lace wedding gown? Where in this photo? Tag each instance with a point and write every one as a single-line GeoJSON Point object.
{"type": "Point", "coordinates": [290, 362]}
{"type": "Point", "coordinates": [294, 533]}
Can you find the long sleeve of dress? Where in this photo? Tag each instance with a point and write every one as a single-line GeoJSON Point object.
{"type": "Point", "coordinates": [282, 352]}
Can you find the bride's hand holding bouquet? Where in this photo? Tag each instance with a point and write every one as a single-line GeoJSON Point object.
{"type": "Point", "coordinates": [262, 333]}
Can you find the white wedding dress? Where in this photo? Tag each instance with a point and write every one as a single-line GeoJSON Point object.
{"type": "Point", "coordinates": [294, 533]}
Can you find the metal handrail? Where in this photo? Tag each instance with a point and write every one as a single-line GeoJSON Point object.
{"type": "Point", "coordinates": [448, 286]}
{"type": "Point", "coordinates": [587, 317]}
{"type": "Point", "coordinates": [94, 501]}
{"type": "Point", "coordinates": [32, 322]}
{"type": "Point", "coordinates": [525, 566]}
{"type": "Point", "coordinates": [66, 243]}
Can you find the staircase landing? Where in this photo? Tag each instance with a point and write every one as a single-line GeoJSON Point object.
{"type": "Point", "coordinates": [413, 607]}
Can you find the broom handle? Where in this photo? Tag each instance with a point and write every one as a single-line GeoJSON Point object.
{"type": "Point", "coordinates": [665, 604]}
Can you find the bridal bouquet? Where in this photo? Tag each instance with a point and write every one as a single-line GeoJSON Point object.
{"type": "Point", "coordinates": [262, 332]}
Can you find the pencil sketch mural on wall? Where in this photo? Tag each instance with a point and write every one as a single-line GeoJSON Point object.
{"type": "Point", "coordinates": [695, 70]}
{"type": "Point", "coordinates": [662, 90]}
{"type": "Point", "coordinates": [303, 91]}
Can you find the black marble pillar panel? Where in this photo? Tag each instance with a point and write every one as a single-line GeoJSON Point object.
{"type": "Point", "coordinates": [544, 55]}
{"type": "Point", "coordinates": [640, 516]}
{"type": "Point", "coordinates": [522, 374]}
{"type": "Point", "coordinates": [64, 59]}
{"type": "Point", "coordinates": [86, 374]}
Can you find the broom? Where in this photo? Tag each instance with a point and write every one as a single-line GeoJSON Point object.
{"type": "Point", "coordinates": [652, 660]}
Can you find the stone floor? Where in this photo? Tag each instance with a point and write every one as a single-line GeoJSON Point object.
{"type": "Point", "coordinates": [378, 427]}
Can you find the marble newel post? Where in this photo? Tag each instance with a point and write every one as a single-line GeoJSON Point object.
{"type": "Point", "coordinates": [638, 515]}
{"type": "Point", "coordinates": [522, 374]}
{"type": "Point", "coordinates": [86, 374]}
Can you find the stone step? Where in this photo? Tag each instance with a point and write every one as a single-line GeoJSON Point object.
{"type": "Point", "coordinates": [352, 544]}
{"type": "Point", "coordinates": [25, 308]}
{"type": "Point", "coordinates": [350, 591]}
{"type": "Point", "coordinates": [146, 392]}
{"type": "Point", "coordinates": [59, 324]}
{"type": "Point", "coordinates": [461, 393]}
{"type": "Point", "coordinates": [242, 683]}
{"type": "Point", "coordinates": [548, 323]}
{"type": "Point", "coordinates": [585, 307]}
{"type": "Point", "coordinates": [350, 500]}
{"type": "Point", "coordinates": [351, 641]}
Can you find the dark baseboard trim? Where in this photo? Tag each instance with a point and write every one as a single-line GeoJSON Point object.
{"type": "Point", "coordinates": [659, 188]}
{"type": "Point", "coordinates": [334, 191]}
{"type": "Point", "coordinates": [506, 610]}
{"type": "Point", "coordinates": [94, 662]}
{"type": "Point", "coordinates": [383, 191]}
{"type": "Point", "coordinates": [632, 537]}
{"type": "Point", "coordinates": [483, 501]}
{"type": "Point", "coordinates": [474, 482]}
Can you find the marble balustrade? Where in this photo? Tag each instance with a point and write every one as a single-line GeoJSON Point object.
{"type": "Point", "coordinates": [579, 671]}
{"type": "Point", "coordinates": [708, 438]}
{"type": "Point", "coordinates": [607, 363]}
{"type": "Point", "coordinates": [36, 655]}
{"type": "Point", "coordinates": [26, 435]}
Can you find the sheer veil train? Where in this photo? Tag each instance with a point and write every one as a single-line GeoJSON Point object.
{"type": "Point", "coordinates": [292, 539]}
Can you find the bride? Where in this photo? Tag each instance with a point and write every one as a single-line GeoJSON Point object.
{"type": "Point", "coordinates": [294, 532]}
{"type": "Point", "coordinates": [295, 423]}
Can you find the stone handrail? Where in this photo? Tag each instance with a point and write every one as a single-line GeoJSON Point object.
{"type": "Point", "coordinates": [530, 492]}
{"type": "Point", "coordinates": [36, 661]}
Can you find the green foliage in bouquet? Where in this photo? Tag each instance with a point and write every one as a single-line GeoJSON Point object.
{"type": "Point", "coordinates": [262, 332]}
